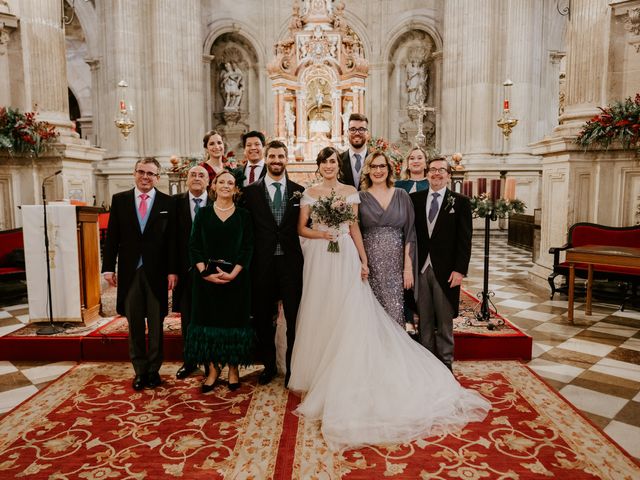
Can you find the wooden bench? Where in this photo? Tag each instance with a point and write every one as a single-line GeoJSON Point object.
{"type": "Point", "coordinates": [583, 234]}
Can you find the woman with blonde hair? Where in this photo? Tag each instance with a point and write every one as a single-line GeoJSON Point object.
{"type": "Point", "coordinates": [414, 175]}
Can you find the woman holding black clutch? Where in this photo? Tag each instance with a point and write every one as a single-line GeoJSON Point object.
{"type": "Point", "coordinates": [221, 246]}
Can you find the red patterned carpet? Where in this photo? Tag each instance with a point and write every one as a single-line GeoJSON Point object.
{"type": "Point", "coordinates": [90, 424]}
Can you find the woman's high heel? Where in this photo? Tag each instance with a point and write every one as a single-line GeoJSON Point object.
{"type": "Point", "coordinates": [208, 388]}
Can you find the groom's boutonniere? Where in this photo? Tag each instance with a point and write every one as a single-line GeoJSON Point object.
{"type": "Point", "coordinates": [297, 195]}
{"type": "Point", "coordinates": [451, 201]}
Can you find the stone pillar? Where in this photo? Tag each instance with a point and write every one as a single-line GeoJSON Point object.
{"type": "Point", "coordinates": [97, 86]}
{"type": "Point", "coordinates": [206, 87]}
{"type": "Point", "coordinates": [587, 46]}
{"type": "Point", "coordinates": [301, 116]}
{"type": "Point", "coordinates": [468, 105]}
{"type": "Point", "coordinates": [46, 89]}
{"type": "Point", "coordinates": [279, 113]}
{"type": "Point", "coordinates": [336, 118]}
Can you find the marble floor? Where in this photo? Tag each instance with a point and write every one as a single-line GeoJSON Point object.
{"type": "Point", "coordinates": [595, 363]}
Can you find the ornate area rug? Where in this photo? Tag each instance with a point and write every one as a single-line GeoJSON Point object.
{"type": "Point", "coordinates": [90, 424]}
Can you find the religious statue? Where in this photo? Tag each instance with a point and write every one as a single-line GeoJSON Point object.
{"type": "Point", "coordinates": [416, 83]}
{"type": "Point", "coordinates": [348, 108]}
{"type": "Point", "coordinates": [289, 119]}
{"type": "Point", "coordinates": [232, 86]}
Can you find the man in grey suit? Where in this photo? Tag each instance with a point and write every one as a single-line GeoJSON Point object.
{"type": "Point", "coordinates": [187, 204]}
{"type": "Point", "coordinates": [353, 158]}
{"type": "Point", "coordinates": [443, 229]}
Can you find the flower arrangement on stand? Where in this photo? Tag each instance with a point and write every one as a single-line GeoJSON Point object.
{"type": "Point", "coordinates": [617, 122]}
{"type": "Point", "coordinates": [484, 206]}
{"type": "Point", "coordinates": [391, 149]}
{"type": "Point", "coordinates": [22, 133]}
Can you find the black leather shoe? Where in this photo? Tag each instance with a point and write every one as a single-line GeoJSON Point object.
{"type": "Point", "coordinates": [266, 376]}
{"type": "Point", "coordinates": [153, 380]}
{"type": "Point", "coordinates": [139, 382]}
{"type": "Point", "coordinates": [185, 370]}
{"type": "Point", "coordinates": [234, 386]}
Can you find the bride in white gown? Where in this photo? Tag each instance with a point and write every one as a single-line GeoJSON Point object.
{"type": "Point", "coordinates": [362, 375]}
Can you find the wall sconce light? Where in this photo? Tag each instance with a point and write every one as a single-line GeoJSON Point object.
{"type": "Point", "coordinates": [506, 122]}
{"type": "Point", "coordinates": [124, 123]}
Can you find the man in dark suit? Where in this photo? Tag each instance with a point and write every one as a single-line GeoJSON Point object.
{"type": "Point", "coordinates": [443, 228]}
{"type": "Point", "coordinates": [352, 160]}
{"type": "Point", "coordinates": [276, 268]}
{"type": "Point", "coordinates": [140, 238]}
{"type": "Point", "coordinates": [254, 167]}
{"type": "Point", "coordinates": [187, 205]}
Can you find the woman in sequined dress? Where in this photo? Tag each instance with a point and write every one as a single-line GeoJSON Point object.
{"type": "Point", "coordinates": [388, 231]}
{"type": "Point", "coordinates": [350, 357]}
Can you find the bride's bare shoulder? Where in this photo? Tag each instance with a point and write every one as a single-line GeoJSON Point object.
{"type": "Point", "coordinates": [346, 190]}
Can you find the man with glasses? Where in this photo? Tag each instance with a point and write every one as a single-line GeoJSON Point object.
{"type": "Point", "coordinates": [352, 160]}
{"type": "Point", "coordinates": [140, 239]}
{"type": "Point", "coordinates": [443, 229]}
{"type": "Point", "coordinates": [187, 204]}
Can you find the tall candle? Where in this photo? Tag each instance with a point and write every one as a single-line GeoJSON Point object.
{"type": "Point", "coordinates": [506, 105]}
{"type": "Point", "coordinates": [495, 189]}
{"type": "Point", "coordinates": [122, 106]}
{"type": "Point", "coordinates": [510, 189]}
{"type": "Point", "coordinates": [467, 188]}
{"type": "Point", "coordinates": [482, 186]}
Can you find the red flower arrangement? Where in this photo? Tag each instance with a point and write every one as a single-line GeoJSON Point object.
{"type": "Point", "coordinates": [23, 133]}
{"type": "Point", "coordinates": [617, 122]}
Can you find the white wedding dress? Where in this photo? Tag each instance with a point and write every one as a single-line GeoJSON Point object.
{"type": "Point", "coordinates": [364, 377]}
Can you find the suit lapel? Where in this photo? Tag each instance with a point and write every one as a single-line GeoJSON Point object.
{"type": "Point", "coordinates": [441, 213]}
{"type": "Point", "coordinates": [131, 210]}
{"type": "Point", "coordinates": [155, 211]}
{"type": "Point", "coordinates": [262, 189]}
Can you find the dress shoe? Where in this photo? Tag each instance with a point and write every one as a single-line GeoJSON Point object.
{"type": "Point", "coordinates": [234, 386]}
{"type": "Point", "coordinates": [139, 382]}
{"type": "Point", "coordinates": [153, 380]}
{"type": "Point", "coordinates": [266, 376]}
{"type": "Point", "coordinates": [185, 370]}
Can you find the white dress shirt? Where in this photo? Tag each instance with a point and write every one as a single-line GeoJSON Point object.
{"type": "Point", "coordinates": [192, 204]}
{"type": "Point", "coordinates": [256, 174]}
{"type": "Point", "coordinates": [356, 173]}
{"type": "Point", "coordinates": [269, 183]}
{"type": "Point", "coordinates": [430, 225]}
{"type": "Point", "coordinates": [136, 195]}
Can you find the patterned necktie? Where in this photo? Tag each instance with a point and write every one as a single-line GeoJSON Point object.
{"type": "Point", "coordinates": [433, 209]}
{"type": "Point", "coordinates": [358, 161]}
{"type": "Point", "coordinates": [277, 198]}
{"type": "Point", "coordinates": [197, 201]}
{"type": "Point", "coordinates": [252, 173]}
{"type": "Point", "coordinates": [142, 209]}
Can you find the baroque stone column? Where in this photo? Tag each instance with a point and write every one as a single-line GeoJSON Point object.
{"type": "Point", "coordinates": [8, 23]}
{"type": "Point", "coordinates": [301, 116]}
{"type": "Point", "coordinates": [336, 119]}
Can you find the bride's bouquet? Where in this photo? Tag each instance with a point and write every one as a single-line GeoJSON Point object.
{"type": "Point", "coordinates": [332, 211]}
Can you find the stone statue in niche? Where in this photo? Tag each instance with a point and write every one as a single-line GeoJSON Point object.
{"type": "Point", "coordinates": [232, 86]}
{"type": "Point", "coordinates": [348, 109]}
{"type": "Point", "coordinates": [289, 119]}
{"type": "Point", "coordinates": [416, 83]}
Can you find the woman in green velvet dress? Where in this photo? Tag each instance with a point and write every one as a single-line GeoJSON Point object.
{"type": "Point", "coordinates": [220, 332]}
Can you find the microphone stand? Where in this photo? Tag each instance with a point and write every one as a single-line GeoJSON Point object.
{"type": "Point", "coordinates": [50, 329]}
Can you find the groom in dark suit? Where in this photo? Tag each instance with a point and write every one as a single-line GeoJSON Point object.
{"type": "Point", "coordinates": [187, 205]}
{"type": "Point", "coordinates": [140, 238]}
{"type": "Point", "coordinates": [276, 268]}
{"type": "Point", "coordinates": [443, 228]}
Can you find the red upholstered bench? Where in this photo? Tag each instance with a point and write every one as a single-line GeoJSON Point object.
{"type": "Point", "coordinates": [11, 249]}
{"type": "Point", "coordinates": [584, 233]}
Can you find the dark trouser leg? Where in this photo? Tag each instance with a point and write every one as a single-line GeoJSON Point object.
{"type": "Point", "coordinates": [264, 315]}
{"type": "Point", "coordinates": [135, 309]}
{"type": "Point", "coordinates": [185, 308]}
{"type": "Point", "coordinates": [155, 321]}
{"type": "Point", "coordinates": [436, 317]}
{"type": "Point", "coordinates": [291, 291]}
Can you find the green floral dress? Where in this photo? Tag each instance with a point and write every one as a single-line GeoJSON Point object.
{"type": "Point", "coordinates": [220, 330]}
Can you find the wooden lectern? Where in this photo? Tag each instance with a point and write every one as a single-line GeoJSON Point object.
{"type": "Point", "coordinates": [89, 262]}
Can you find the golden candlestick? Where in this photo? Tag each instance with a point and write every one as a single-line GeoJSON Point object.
{"type": "Point", "coordinates": [124, 123]}
{"type": "Point", "coordinates": [506, 122]}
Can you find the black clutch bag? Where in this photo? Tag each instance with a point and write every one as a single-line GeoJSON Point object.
{"type": "Point", "coordinates": [213, 265]}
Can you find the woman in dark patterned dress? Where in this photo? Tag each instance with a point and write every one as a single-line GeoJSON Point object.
{"type": "Point", "coordinates": [220, 333]}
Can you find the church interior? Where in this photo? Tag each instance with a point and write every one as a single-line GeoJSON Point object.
{"type": "Point", "coordinates": [537, 99]}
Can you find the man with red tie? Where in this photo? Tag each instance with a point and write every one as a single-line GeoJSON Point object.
{"type": "Point", "coordinates": [140, 238]}
{"type": "Point", "coordinates": [254, 169]}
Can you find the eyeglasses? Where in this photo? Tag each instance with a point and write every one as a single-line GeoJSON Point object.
{"type": "Point", "coordinates": [142, 173]}
{"type": "Point", "coordinates": [382, 166]}
{"type": "Point", "coordinates": [440, 170]}
{"type": "Point", "coordinates": [358, 130]}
